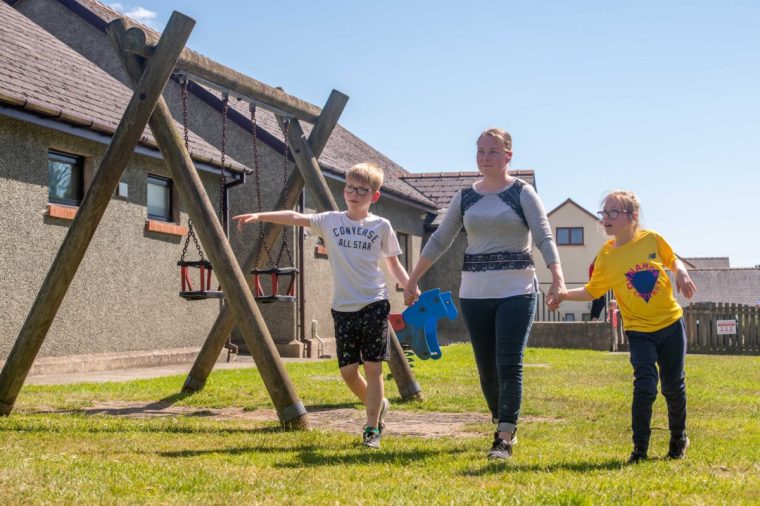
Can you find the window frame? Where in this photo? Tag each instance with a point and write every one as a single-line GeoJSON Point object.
{"type": "Point", "coordinates": [167, 183]}
{"type": "Point", "coordinates": [569, 231]}
{"type": "Point", "coordinates": [405, 258]}
{"type": "Point", "coordinates": [76, 161]}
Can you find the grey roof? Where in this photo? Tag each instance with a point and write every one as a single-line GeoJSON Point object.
{"type": "Point", "coordinates": [440, 187]}
{"type": "Point", "coordinates": [740, 286]}
{"type": "Point", "coordinates": [708, 262]}
{"type": "Point", "coordinates": [343, 149]}
{"type": "Point", "coordinates": [42, 75]}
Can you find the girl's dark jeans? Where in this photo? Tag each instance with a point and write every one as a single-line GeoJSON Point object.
{"type": "Point", "coordinates": [499, 331]}
{"type": "Point", "coordinates": [666, 349]}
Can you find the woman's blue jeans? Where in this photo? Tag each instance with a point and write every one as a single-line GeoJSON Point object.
{"type": "Point", "coordinates": [664, 349]}
{"type": "Point", "coordinates": [499, 331]}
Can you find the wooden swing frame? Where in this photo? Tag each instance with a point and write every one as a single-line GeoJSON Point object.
{"type": "Point", "coordinates": [149, 65]}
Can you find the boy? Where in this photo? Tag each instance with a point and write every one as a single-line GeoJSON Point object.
{"type": "Point", "coordinates": [356, 240]}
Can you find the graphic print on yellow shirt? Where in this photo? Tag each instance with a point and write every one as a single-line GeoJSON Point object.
{"type": "Point", "coordinates": [642, 279]}
{"type": "Point", "coordinates": [636, 274]}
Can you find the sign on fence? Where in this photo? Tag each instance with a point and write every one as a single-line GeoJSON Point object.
{"type": "Point", "coordinates": [726, 327]}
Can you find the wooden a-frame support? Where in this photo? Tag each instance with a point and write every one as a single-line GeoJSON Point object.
{"type": "Point", "coordinates": [147, 106]}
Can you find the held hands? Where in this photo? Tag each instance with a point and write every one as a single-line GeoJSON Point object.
{"type": "Point", "coordinates": [684, 284]}
{"type": "Point", "coordinates": [242, 219]}
{"type": "Point", "coordinates": [411, 292]}
{"type": "Point", "coordinates": [557, 293]}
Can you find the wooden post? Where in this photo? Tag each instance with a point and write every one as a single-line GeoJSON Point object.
{"type": "Point", "coordinates": [225, 322]}
{"type": "Point", "coordinates": [290, 409]}
{"type": "Point", "coordinates": [315, 181]}
{"type": "Point", "coordinates": [147, 91]}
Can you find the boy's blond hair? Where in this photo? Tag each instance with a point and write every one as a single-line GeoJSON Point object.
{"type": "Point", "coordinates": [629, 200]}
{"type": "Point", "coordinates": [499, 134]}
{"type": "Point", "coordinates": [367, 173]}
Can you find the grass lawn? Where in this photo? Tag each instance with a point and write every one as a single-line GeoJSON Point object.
{"type": "Point", "coordinates": [573, 440]}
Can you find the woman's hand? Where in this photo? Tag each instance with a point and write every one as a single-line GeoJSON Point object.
{"type": "Point", "coordinates": [557, 290]}
{"type": "Point", "coordinates": [242, 219]}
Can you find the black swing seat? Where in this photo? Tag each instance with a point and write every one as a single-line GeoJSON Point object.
{"type": "Point", "coordinates": [198, 295]}
{"type": "Point", "coordinates": [268, 299]}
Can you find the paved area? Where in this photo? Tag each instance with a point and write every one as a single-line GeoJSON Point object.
{"type": "Point", "coordinates": [138, 373]}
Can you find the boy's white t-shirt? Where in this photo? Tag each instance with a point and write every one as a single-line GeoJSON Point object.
{"type": "Point", "coordinates": [355, 249]}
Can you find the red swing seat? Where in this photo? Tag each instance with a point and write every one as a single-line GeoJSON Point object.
{"type": "Point", "coordinates": [203, 291]}
{"type": "Point", "coordinates": [275, 273]}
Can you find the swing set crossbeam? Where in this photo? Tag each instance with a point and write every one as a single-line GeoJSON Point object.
{"type": "Point", "coordinates": [225, 79]}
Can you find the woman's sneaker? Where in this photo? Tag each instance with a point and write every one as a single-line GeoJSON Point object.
{"type": "Point", "coordinates": [501, 448]}
{"type": "Point", "coordinates": [384, 407]}
{"type": "Point", "coordinates": [677, 448]}
{"type": "Point", "coordinates": [371, 437]}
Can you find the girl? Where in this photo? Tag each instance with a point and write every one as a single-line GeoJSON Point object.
{"type": "Point", "coordinates": [498, 290]}
{"type": "Point", "coordinates": [633, 265]}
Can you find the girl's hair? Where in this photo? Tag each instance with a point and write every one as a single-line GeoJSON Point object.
{"type": "Point", "coordinates": [630, 203]}
{"type": "Point", "coordinates": [367, 173]}
{"type": "Point", "coordinates": [500, 134]}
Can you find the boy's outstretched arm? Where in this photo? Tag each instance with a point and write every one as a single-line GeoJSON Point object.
{"type": "Point", "coordinates": [684, 284]}
{"type": "Point", "coordinates": [285, 217]}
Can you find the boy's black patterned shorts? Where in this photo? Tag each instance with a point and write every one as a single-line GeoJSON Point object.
{"type": "Point", "coordinates": [362, 336]}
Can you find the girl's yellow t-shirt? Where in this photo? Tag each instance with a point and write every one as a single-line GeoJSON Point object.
{"type": "Point", "coordinates": [636, 274]}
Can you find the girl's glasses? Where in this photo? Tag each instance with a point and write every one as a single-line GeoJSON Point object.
{"type": "Point", "coordinates": [611, 214]}
{"type": "Point", "coordinates": [359, 190]}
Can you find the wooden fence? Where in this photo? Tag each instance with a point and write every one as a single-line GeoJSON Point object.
{"type": "Point", "coordinates": [739, 332]}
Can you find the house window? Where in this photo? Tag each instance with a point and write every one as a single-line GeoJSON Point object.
{"type": "Point", "coordinates": [159, 198]}
{"type": "Point", "coordinates": [569, 235]}
{"type": "Point", "coordinates": [65, 178]}
{"type": "Point", "coordinates": [404, 241]}
{"type": "Point", "coordinates": [569, 317]}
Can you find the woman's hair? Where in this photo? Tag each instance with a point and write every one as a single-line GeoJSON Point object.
{"type": "Point", "coordinates": [629, 201]}
{"type": "Point", "coordinates": [367, 173]}
{"type": "Point", "coordinates": [500, 134]}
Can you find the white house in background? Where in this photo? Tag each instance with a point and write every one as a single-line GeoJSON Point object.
{"type": "Point", "coordinates": [578, 237]}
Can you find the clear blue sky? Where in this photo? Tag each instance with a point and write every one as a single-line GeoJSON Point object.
{"type": "Point", "coordinates": [660, 97]}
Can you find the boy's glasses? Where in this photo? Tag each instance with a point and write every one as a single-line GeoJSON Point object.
{"type": "Point", "coordinates": [611, 214]}
{"type": "Point", "coordinates": [356, 189]}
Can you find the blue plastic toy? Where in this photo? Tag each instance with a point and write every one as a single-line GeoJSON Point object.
{"type": "Point", "coordinates": [417, 326]}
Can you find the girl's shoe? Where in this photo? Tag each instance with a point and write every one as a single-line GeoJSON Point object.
{"type": "Point", "coordinates": [637, 455]}
{"type": "Point", "coordinates": [677, 449]}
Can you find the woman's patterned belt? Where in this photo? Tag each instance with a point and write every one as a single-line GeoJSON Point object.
{"type": "Point", "coordinates": [499, 261]}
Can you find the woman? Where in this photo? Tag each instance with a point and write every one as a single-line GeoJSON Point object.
{"type": "Point", "coordinates": [500, 213]}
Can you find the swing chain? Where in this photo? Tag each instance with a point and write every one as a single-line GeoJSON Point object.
{"type": "Point", "coordinates": [184, 112]}
{"type": "Point", "coordinates": [285, 186]}
{"type": "Point", "coordinates": [257, 181]}
{"type": "Point", "coordinates": [222, 177]}
{"type": "Point", "coordinates": [190, 231]}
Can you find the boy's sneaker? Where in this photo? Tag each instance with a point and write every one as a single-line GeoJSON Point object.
{"type": "Point", "coordinates": [501, 448]}
{"type": "Point", "coordinates": [384, 407]}
{"type": "Point", "coordinates": [677, 449]}
{"type": "Point", "coordinates": [371, 437]}
{"type": "Point", "coordinates": [637, 455]}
